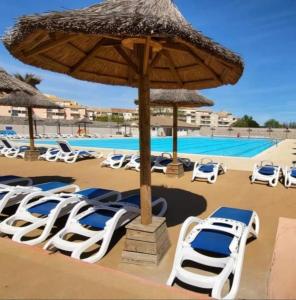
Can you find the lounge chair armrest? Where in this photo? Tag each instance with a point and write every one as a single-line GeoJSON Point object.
{"type": "Point", "coordinates": [189, 221]}
{"type": "Point", "coordinates": [30, 197]}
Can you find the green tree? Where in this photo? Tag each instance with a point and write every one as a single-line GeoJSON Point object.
{"type": "Point", "coordinates": [246, 121]}
{"type": "Point", "coordinates": [272, 123]}
{"type": "Point", "coordinates": [30, 79]}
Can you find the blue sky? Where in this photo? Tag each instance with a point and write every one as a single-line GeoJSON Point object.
{"type": "Point", "coordinates": [263, 32]}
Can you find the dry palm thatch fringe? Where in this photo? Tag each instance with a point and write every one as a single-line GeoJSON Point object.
{"type": "Point", "coordinates": [179, 97]}
{"type": "Point", "coordinates": [9, 83]}
{"type": "Point", "coordinates": [23, 99]}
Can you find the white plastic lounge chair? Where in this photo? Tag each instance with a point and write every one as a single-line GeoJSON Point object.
{"type": "Point", "coordinates": [290, 176]}
{"type": "Point", "coordinates": [12, 151]}
{"type": "Point", "coordinates": [12, 195]}
{"type": "Point", "coordinates": [218, 241]}
{"type": "Point", "coordinates": [207, 169]}
{"type": "Point", "coordinates": [11, 179]}
{"type": "Point", "coordinates": [52, 154]}
{"type": "Point", "coordinates": [44, 212]}
{"type": "Point", "coordinates": [68, 155]}
{"type": "Point", "coordinates": [134, 163]}
{"type": "Point", "coordinates": [266, 172]}
{"type": "Point", "coordinates": [161, 162]}
{"type": "Point", "coordinates": [97, 223]}
{"type": "Point", "coordinates": [115, 161]}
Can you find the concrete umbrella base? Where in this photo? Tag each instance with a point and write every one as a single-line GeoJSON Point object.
{"type": "Point", "coordinates": [175, 170]}
{"type": "Point", "coordinates": [31, 155]}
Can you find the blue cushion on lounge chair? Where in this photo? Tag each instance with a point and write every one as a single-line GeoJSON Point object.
{"type": "Point", "coordinates": [2, 195]}
{"type": "Point", "coordinates": [97, 219]}
{"type": "Point", "coordinates": [117, 157]}
{"type": "Point", "coordinates": [293, 173]}
{"type": "Point", "coordinates": [135, 199]}
{"type": "Point", "coordinates": [266, 170]}
{"type": "Point", "coordinates": [50, 185]}
{"type": "Point", "coordinates": [84, 153]}
{"type": "Point", "coordinates": [8, 177]}
{"type": "Point", "coordinates": [93, 192]}
{"type": "Point", "coordinates": [44, 208]}
{"type": "Point", "coordinates": [207, 168]}
{"type": "Point", "coordinates": [213, 241]}
{"type": "Point", "coordinates": [237, 214]}
{"type": "Point", "coordinates": [216, 241]}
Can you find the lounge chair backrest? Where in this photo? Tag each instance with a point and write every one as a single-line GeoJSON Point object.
{"type": "Point", "coordinates": [205, 161]}
{"type": "Point", "coordinates": [166, 154]}
{"type": "Point", "coordinates": [266, 163]}
{"type": "Point", "coordinates": [6, 143]}
{"type": "Point", "coordinates": [64, 146]}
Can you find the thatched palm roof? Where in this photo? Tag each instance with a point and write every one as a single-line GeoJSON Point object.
{"type": "Point", "coordinates": [180, 98]}
{"type": "Point", "coordinates": [22, 99]}
{"type": "Point", "coordinates": [9, 83]}
{"type": "Point", "coordinates": [95, 44]}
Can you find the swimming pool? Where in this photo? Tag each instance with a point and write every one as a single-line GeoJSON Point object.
{"type": "Point", "coordinates": [220, 146]}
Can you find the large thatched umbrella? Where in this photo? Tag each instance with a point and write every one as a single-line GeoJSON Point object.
{"type": "Point", "coordinates": [137, 43]}
{"type": "Point", "coordinates": [23, 99]}
{"type": "Point", "coordinates": [176, 98]}
{"type": "Point", "coordinates": [84, 121]}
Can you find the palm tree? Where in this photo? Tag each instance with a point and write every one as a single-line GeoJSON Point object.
{"type": "Point", "coordinates": [30, 79]}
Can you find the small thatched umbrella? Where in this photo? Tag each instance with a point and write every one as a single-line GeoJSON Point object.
{"type": "Point", "coordinates": [213, 130]}
{"type": "Point", "coordinates": [138, 43]}
{"type": "Point", "coordinates": [287, 131]}
{"type": "Point", "coordinates": [269, 130]}
{"type": "Point", "coordinates": [59, 123]}
{"type": "Point", "coordinates": [175, 99]}
{"type": "Point", "coordinates": [249, 132]}
{"type": "Point", "coordinates": [9, 83]}
{"type": "Point", "coordinates": [23, 99]}
{"type": "Point", "coordinates": [84, 121]}
{"type": "Point", "coordinates": [36, 120]}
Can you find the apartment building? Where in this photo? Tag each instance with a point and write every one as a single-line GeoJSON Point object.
{"type": "Point", "coordinates": [125, 114]}
{"type": "Point", "coordinates": [207, 118]}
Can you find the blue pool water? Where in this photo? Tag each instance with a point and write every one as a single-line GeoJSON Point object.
{"type": "Point", "coordinates": [221, 146]}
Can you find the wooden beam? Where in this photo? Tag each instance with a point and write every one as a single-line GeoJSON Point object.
{"type": "Point", "coordinates": [156, 58]}
{"type": "Point", "coordinates": [71, 45]}
{"type": "Point", "coordinates": [108, 60]}
{"type": "Point", "coordinates": [175, 134]}
{"type": "Point", "coordinates": [173, 67]}
{"type": "Point", "coordinates": [54, 62]}
{"type": "Point", "coordinates": [144, 130]}
{"type": "Point", "coordinates": [103, 75]}
{"type": "Point", "coordinates": [186, 49]}
{"type": "Point", "coordinates": [188, 67]}
{"type": "Point", "coordinates": [126, 58]}
{"type": "Point", "coordinates": [47, 45]}
{"type": "Point", "coordinates": [88, 55]}
{"type": "Point", "coordinates": [146, 56]}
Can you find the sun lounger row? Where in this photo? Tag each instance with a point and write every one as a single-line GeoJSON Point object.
{"type": "Point", "coordinates": [269, 172]}
{"type": "Point", "coordinates": [65, 153]}
{"type": "Point", "coordinates": [39, 207]}
{"type": "Point", "coordinates": [158, 163]}
{"type": "Point", "coordinates": [218, 241]}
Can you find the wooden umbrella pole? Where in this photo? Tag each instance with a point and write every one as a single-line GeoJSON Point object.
{"type": "Point", "coordinates": [144, 128]}
{"type": "Point", "coordinates": [31, 129]}
{"type": "Point", "coordinates": [175, 134]}
{"type": "Point", "coordinates": [35, 126]}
